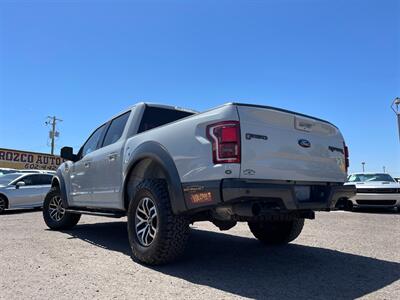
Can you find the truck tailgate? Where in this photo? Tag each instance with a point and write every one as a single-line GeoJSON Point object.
{"type": "Point", "coordinates": [282, 145]}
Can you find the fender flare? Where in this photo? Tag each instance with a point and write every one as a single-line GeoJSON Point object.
{"type": "Point", "coordinates": [157, 152]}
{"type": "Point", "coordinates": [59, 179]}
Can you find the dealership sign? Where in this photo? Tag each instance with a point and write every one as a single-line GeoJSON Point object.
{"type": "Point", "coordinates": [16, 159]}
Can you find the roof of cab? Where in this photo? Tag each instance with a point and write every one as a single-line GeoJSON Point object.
{"type": "Point", "coordinates": [151, 104]}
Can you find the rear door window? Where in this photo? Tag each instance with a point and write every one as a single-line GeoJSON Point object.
{"type": "Point", "coordinates": [157, 116]}
{"type": "Point", "coordinates": [116, 129]}
{"type": "Point", "coordinates": [45, 179]}
{"type": "Point", "coordinates": [93, 143]}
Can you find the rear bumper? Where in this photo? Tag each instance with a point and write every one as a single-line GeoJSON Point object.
{"type": "Point", "coordinates": [278, 195]}
{"type": "Point", "coordinates": [322, 196]}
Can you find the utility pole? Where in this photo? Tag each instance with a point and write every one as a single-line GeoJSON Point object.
{"type": "Point", "coordinates": [384, 169]}
{"type": "Point", "coordinates": [396, 103]}
{"type": "Point", "coordinates": [53, 133]}
{"type": "Point", "coordinates": [363, 166]}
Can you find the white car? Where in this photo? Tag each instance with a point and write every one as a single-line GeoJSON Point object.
{"type": "Point", "coordinates": [7, 171]}
{"type": "Point", "coordinates": [374, 190]}
{"type": "Point", "coordinates": [23, 190]}
{"type": "Point", "coordinates": [36, 171]}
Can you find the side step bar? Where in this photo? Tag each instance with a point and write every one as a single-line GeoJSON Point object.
{"type": "Point", "coordinates": [95, 212]}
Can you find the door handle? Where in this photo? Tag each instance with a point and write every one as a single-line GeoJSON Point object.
{"type": "Point", "coordinates": [112, 156]}
{"type": "Point", "coordinates": [87, 164]}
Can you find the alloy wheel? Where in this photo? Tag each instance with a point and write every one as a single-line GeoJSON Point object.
{"type": "Point", "coordinates": [146, 221]}
{"type": "Point", "coordinates": [56, 210]}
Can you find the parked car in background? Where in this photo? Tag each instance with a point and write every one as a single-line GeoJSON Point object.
{"type": "Point", "coordinates": [7, 171]}
{"type": "Point", "coordinates": [374, 190]}
{"type": "Point", "coordinates": [23, 190]}
{"type": "Point", "coordinates": [36, 171]}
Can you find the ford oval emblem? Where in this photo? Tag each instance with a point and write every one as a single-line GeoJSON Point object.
{"type": "Point", "coordinates": [304, 143]}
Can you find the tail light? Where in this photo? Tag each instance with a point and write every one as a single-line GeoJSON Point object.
{"type": "Point", "coordinates": [346, 156]}
{"type": "Point", "coordinates": [225, 139]}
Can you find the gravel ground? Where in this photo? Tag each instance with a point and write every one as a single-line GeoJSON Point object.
{"type": "Point", "coordinates": [339, 255]}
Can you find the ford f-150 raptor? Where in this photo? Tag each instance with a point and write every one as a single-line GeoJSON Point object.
{"type": "Point", "coordinates": [165, 167]}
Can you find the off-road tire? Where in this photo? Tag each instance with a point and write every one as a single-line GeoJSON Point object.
{"type": "Point", "coordinates": [277, 232]}
{"type": "Point", "coordinates": [68, 220]}
{"type": "Point", "coordinates": [172, 230]}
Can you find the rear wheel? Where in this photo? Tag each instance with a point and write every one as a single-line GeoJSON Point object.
{"type": "Point", "coordinates": [277, 232]}
{"type": "Point", "coordinates": [341, 204]}
{"type": "Point", "coordinates": [156, 235]}
{"type": "Point", "coordinates": [3, 204]}
{"type": "Point", "coordinates": [54, 213]}
{"type": "Point", "coordinates": [349, 206]}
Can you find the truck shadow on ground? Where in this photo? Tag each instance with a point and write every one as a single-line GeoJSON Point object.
{"type": "Point", "coordinates": [244, 267]}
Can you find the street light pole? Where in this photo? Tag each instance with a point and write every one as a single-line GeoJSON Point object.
{"type": "Point", "coordinates": [363, 165]}
{"type": "Point", "coordinates": [396, 109]}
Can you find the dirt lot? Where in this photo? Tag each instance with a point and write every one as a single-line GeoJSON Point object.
{"type": "Point", "coordinates": [339, 255]}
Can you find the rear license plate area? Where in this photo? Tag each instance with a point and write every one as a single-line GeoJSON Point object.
{"type": "Point", "coordinates": [314, 193]}
{"type": "Point", "coordinates": [303, 193]}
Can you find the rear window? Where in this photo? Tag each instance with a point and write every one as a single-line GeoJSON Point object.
{"type": "Point", "coordinates": [156, 116]}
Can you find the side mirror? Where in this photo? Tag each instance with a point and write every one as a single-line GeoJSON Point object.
{"type": "Point", "coordinates": [19, 184]}
{"type": "Point", "coordinates": [68, 154]}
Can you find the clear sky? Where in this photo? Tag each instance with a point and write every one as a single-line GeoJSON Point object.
{"type": "Point", "coordinates": [85, 61]}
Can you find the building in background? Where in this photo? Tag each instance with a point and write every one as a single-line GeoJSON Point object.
{"type": "Point", "coordinates": [19, 159]}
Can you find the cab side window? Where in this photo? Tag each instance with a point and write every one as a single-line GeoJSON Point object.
{"type": "Point", "coordinates": [116, 129]}
{"type": "Point", "coordinates": [93, 143]}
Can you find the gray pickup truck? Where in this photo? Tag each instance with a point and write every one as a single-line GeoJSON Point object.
{"type": "Point", "coordinates": [165, 167]}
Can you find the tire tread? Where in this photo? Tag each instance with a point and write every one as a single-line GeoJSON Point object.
{"type": "Point", "coordinates": [175, 233]}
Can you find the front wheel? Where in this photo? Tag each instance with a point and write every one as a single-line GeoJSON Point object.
{"type": "Point", "coordinates": [54, 213]}
{"type": "Point", "coordinates": [277, 232]}
{"type": "Point", "coordinates": [3, 204]}
{"type": "Point", "coordinates": [156, 235]}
